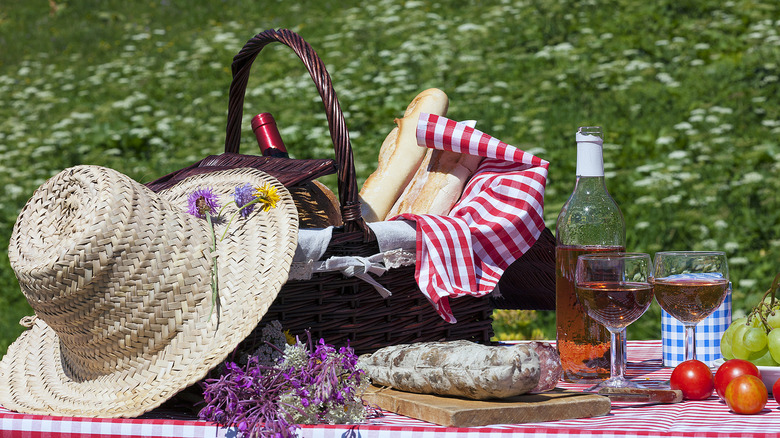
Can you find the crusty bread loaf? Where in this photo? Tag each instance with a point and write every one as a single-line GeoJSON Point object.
{"type": "Point", "coordinates": [438, 183]}
{"type": "Point", "coordinates": [399, 157]}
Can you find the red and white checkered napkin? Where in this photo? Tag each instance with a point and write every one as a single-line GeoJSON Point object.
{"type": "Point", "coordinates": [497, 219]}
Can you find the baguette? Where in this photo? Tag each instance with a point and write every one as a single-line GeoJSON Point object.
{"type": "Point", "coordinates": [438, 183]}
{"type": "Point", "coordinates": [399, 157]}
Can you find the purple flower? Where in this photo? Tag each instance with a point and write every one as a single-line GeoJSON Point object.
{"type": "Point", "coordinates": [269, 401]}
{"type": "Point", "coordinates": [202, 201]}
{"type": "Point", "coordinates": [243, 196]}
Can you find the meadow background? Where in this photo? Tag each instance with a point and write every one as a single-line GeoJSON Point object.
{"type": "Point", "coordinates": [687, 93]}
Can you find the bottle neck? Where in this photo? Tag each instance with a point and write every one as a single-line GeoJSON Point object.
{"type": "Point", "coordinates": [590, 159]}
{"type": "Point", "coordinates": [268, 137]}
{"type": "Point", "coordinates": [590, 184]}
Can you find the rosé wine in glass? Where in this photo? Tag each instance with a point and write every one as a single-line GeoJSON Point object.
{"type": "Point", "coordinates": [690, 285]}
{"type": "Point", "coordinates": [615, 289]}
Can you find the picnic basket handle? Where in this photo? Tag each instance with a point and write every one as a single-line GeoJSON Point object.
{"type": "Point", "coordinates": [242, 64]}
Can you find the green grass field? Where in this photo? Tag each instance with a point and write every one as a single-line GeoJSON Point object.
{"type": "Point", "coordinates": [687, 93]}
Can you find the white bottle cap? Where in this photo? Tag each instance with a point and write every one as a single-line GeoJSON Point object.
{"type": "Point", "coordinates": [590, 159]}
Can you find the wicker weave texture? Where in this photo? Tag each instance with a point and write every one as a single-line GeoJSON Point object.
{"type": "Point", "coordinates": [120, 280]}
{"type": "Point", "coordinates": [331, 306]}
{"type": "Point", "coordinates": [350, 311]}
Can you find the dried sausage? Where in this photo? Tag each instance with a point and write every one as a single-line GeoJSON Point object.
{"type": "Point", "coordinates": [459, 368]}
{"type": "Point", "coordinates": [550, 365]}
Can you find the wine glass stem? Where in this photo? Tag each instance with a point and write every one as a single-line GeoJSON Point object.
{"type": "Point", "coordinates": [617, 354]}
{"type": "Point", "coordinates": [690, 341]}
{"type": "Point", "coordinates": [622, 363]}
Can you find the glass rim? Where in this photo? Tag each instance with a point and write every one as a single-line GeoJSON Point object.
{"type": "Point", "coordinates": [696, 253]}
{"type": "Point", "coordinates": [614, 255]}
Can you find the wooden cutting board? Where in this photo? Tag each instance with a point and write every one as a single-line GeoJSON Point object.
{"type": "Point", "coordinates": [460, 412]}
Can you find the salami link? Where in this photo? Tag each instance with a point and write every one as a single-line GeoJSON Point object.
{"type": "Point", "coordinates": [459, 368]}
{"type": "Point", "coordinates": [550, 365]}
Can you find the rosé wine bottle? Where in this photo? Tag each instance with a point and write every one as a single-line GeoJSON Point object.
{"type": "Point", "coordinates": [590, 221]}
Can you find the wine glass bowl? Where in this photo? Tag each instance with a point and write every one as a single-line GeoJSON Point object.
{"type": "Point", "coordinates": [615, 305]}
{"type": "Point", "coordinates": [690, 285]}
{"type": "Point", "coordinates": [615, 289]}
{"type": "Point", "coordinates": [690, 298]}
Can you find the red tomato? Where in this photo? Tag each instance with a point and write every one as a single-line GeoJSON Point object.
{"type": "Point", "coordinates": [776, 390]}
{"type": "Point", "coordinates": [694, 379]}
{"type": "Point", "coordinates": [731, 369]}
{"type": "Point", "coordinates": [746, 394]}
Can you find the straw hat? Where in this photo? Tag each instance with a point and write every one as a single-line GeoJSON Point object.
{"type": "Point", "coordinates": [120, 281]}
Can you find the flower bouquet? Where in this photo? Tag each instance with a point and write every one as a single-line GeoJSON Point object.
{"type": "Point", "coordinates": [280, 385]}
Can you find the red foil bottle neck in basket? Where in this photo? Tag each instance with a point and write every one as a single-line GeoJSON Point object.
{"type": "Point", "coordinates": [268, 137]}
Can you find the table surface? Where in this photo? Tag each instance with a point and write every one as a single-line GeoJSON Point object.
{"type": "Point", "coordinates": [707, 418]}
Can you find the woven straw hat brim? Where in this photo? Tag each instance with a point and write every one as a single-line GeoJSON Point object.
{"type": "Point", "coordinates": [135, 323]}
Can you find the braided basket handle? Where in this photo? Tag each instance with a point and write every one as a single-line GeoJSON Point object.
{"type": "Point", "coordinates": [242, 64]}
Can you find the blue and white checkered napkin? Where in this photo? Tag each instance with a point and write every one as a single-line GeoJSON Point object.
{"type": "Point", "coordinates": [708, 332]}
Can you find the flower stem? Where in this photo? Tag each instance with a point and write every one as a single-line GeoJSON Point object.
{"type": "Point", "coordinates": [214, 269]}
{"type": "Point", "coordinates": [227, 227]}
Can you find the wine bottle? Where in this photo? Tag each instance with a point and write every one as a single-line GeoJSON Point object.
{"type": "Point", "coordinates": [590, 221]}
{"type": "Point", "coordinates": [268, 137]}
{"type": "Point", "coordinates": [317, 206]}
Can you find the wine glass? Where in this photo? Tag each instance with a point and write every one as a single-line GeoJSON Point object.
{"type": "Point", "coordinates": [690, 285]}
{"type": "Point", "coordinates": [615, 289]}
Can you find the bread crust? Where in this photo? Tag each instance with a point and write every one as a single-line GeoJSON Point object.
{"type": "Point", "coordinates": [437, 184]}
{"type": "Point", "coordinates": [399, 157]}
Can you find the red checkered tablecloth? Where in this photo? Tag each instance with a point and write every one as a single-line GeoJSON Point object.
{"type": "Point", "coordinates": [702, 419]}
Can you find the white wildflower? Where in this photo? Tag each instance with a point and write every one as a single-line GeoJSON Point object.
{"type": "Point", "coordinates": [469, 27]}
{"type": "Point", "coordinates": [752, 177]}
{"type": "Point", "coordinates": [710, 244]}
{"type": "Point", "coordinates": [642, 225]}
{"type": "Point", "coordinates": [649, 167]}
{"type": "Point", "coordinates": [12, 190]}
{"type": "Point", "coordinates": [667, 79]}
{"type": "Point", "coordinates": [672, 199]}
{"type": "Point", "coordinates": [731, 246]}
{"type": "Point", "coordinates": [746, 283]}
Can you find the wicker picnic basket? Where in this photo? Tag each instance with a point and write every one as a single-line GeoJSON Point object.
{"type": "Point", "coordinates": [330, 305]}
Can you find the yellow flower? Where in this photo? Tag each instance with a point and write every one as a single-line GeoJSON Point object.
{"type": "Point", "coordinates": [267, 196]}
{"type": "Point", "coordinates": [290, 339]}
